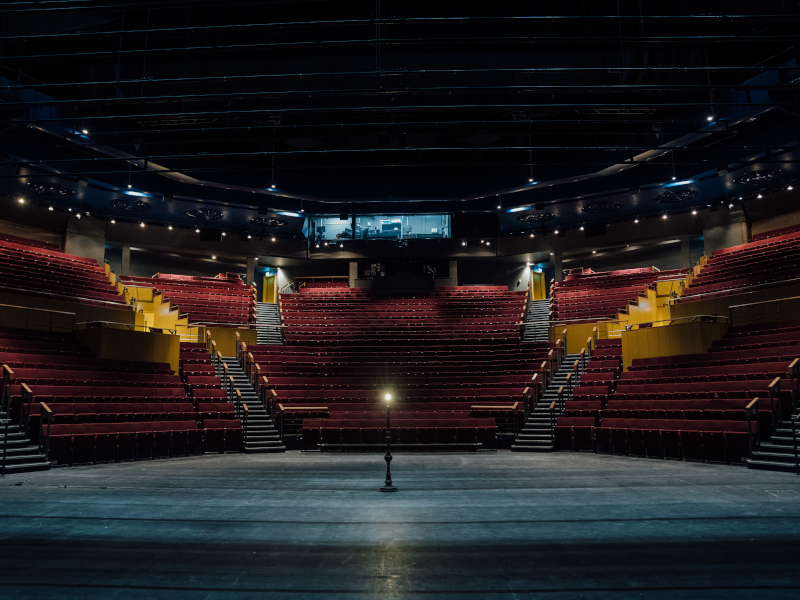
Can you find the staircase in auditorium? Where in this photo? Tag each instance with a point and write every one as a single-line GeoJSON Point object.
{"type": "Point", "coordinates": [537, 435]}
{"type": "Point", "coordinates": [537, 321]}
{"type": "Point", "coordinates": [260, 434]}
{"type": "Point", "coordinates": [20, 455]}
{"type": "Point", "coordinates": [268, 322]}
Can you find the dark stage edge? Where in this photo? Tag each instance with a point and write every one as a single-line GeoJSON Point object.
{"type": "Point", "coordinates": [488, 525]}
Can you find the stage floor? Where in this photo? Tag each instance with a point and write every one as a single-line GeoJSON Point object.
{"type": "Point", "coordinates": [489, 525]}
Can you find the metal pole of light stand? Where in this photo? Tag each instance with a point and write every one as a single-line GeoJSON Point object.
{"type": "Point", "coordinates": [388, 487]}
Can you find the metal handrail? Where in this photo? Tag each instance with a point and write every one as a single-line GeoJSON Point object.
{"type": "Point", "coordinates": [108, 324]}
{"type": "Point", "coordinates": [68, 298]}
{"type": "Point", "coordinates": [744, 290]}
{"type": "Point", "coordinates": [5, 448]}
{"type": "Point", "coordinates": [671, 321]}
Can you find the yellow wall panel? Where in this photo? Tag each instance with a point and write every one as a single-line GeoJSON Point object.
{"type": "Point", "coordinates": [672, 340]}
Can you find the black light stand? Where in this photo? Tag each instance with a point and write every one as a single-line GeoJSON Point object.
{"type": "Point", "coordinates": [388, 487]}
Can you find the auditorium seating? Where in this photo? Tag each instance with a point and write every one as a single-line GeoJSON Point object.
{"type": "Point", "coordinates": [354, 316]}
{"type": "Point", "coordinates": [203, 384]}
{"type": "Point", "coordinates": [770, 261]}
{"type": "Point", "coordinates": [586, 296]}
{"type": "Point", "coordinates": [99, 409]}
{"type": "Point", "coordinates": [325, 373]}
{"type": "Point", "coordinates": [221, 301]}
{"type": "Point", "coordinates": [35, 270]}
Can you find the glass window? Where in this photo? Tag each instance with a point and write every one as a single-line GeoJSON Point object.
{"type": "Point", "coordinates": [380, 227]}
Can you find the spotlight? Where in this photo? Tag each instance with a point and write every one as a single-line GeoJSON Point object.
{"type": "Point", "coordinates": [709, 118]}
{"type": "Point", "coordinates": [141, 224]}
{"type": "Point", "coordinates": [740, 198]}
{"type": "Point", "coordinates": [531, 235]}
{"type": "Point", "coordinates": [530, 180]}
{"type": "Point", "coordinates": [223, 233]}
{"type": "Point", "coordinates": [663, 216]}
{"type": "Point", "coordinates": [498, 206]}
{"type": "Point", "coordinates": [730, 205]}
{"type": "Point", "coordinates": [129, 186]}
{"type": "Point", "coordinates": [636, 220]}
{"type": "Point", "coordinates": [197, 230]}
{"type": "Point", "coordinates": [272, 186]}
{"type": "Point", "coordinates": [51, 208]}
{"type": "Point", "coordinates": [273, 238]}
{"type": "Point", "coordinates": [326, 243]}
{"type": "Point", "coordinates": [487, 242]}
{"type": "Point", "coordinates": [249, 236]}
{"type": "Point", "coordinates": [78, 215]}
{"type": "Point", "coordinates": [341, 245]}
{"type": "Point", "coordinates": [594, 251]}
{"type": "Point", "coordinates": [213, 258]}
{"type": "Point", "coordinates": [113, 221]}
{"type": "Point", "coordinates": [760, 196]}
{"type": "Point", "coordinates": [22, 200]}
{"type": "Point", "coordinates": [694, 212]}
{"type": "Point", "coordinates": [85, 131]}
{"type": "Point", "coordinates": [317, 245]}
{"type": "Point", "coordinates": [551, 254]}
{"type": "Point", "coordinates": [170, 227]}
{"type": "Point", "coordinates": [69, 209]}
{"type": "Point", "coordinates": [387, 397]}
{"type": "Point", "coordinates": [581, 228]}
{"type": "Point", "coordinates": [463, 243]}
{"type": "Point", "coordinates": [277, 268]}
{"type": "Point", "coordinates": [674, 178]}
{"type": "Point", "coordinates": [790, 188]}
{"type": "Point", "coordinates": [556, 232]}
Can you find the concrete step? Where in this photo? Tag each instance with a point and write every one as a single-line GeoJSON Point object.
{"type": "Point", "coordinates": [27, 468]}
{"type": "Point", "coordinates": [769, 465]}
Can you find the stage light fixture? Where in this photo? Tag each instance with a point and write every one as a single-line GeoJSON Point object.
{"type": "Point", "coordinates": [141, 224]}
{"type": "Point", "coordinates": [531, 235]}
{"type": "Point", "coordinates": [760, 196]}
{"type": "Point", "coordinates": [709, 118]}
{"type": "Point", "coordinates": [213, 258]}
{"type": "Point", "coordinates": [674, 178]}
{"type": "Point", "coordinates": [581, 228]}
{"type": "Point", "coordinates": [169, 227]}
{"type": "Point", "coordinates": [636, 220]}
{"type": "Point", "coordinates": [129, 186]}
{"type": "Point", "coordinates": [197, 230]}
{"type": "Point", "coordinates": [730, 205]}
{"type": "Point", "coordinates": [78, 215]}
{"type": "Point", "coordinates": [663, 216]}
{"type": "Point", "coordinates": [85, 131]}
{"type": "Point", "coordinates": [249, 237]}
{"type": "Point", "coordinates": [694, 212]}
{"type": "Point", "coordinates": [22, 200]}
{"type": "Point", "coordinates": [273, 238]}
{"type": "Point", "coordinates": [790, 188]}
{"type": "Point", "coordinates": [594, 251]}
{"type": "Point", "coordinates": [51, 208]}
{"type": "Point", "coordinates": [113, 221]}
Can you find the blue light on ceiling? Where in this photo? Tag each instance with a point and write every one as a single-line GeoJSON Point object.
{"type": "Point", "coordinates": [288, 214]}
{"type": "Point", "coordinates": [674, 183]}
{"type": "Point", "coordinates": [517, 209]}
{"type": "Point", "coordinates": [132, 193]}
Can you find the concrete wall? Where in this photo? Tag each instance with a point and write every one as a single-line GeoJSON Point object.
{"type": "Point", "coordinates": [32, 233]}
{"type": "Point", "coordinates": [788, 220]}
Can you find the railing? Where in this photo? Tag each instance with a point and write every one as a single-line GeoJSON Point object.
{"type": "Point", "coordinates": [764, 312]}
{"type": "Point", "coordinates": [5, 447]}
{"type": "Point", "coordinates": [44, 320]}
{"type": "Point", "coordinates": [244, 422]}
{"type": "Point", "coordinates": [237, 403]}
{"type": "Point", "coordinates": [751, 412]}
{"type": "Point", "coordinates": [129, 327]}
{"type": "Point", "coordinates": [46, 418]}
{"type": "Point", "coordinates": [689, 319]}
{"type": "Point", "coordinates": [8, 378]}
{"type": "Point", "coordinates": [774, 389]}
{"type": "Point", "coordinates": [795, 420]}
{"type": "Point", "coordinates": [553, 420]}
{"type": "Point", "coordinates": [740, 291]}
{"type": "Point", "coordinates": [83, 300]}
{"type": "Point", "coordinates": [27, 399]}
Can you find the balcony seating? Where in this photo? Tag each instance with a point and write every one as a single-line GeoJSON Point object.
{"type": "Point", "coordinates": [770, 261]}
{"type": "Point", "coordinates": [41, 271]}
{"type": "Point", "coordinates": [221, 301]}
{"type": "Point", "coordinates": [587, 296]}
{"type": "Point", "coordinates": [775, 233]}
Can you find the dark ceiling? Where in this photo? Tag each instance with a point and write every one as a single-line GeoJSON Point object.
{"type": "Point", "coordinates": [584, 114]}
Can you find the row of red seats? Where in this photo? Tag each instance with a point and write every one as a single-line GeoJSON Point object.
{"type": "Point", "coordinates": [719, 358]}
{"type": "Point", "coordinates": [757, 370]}
{"type": "Point", "coordinates": [29, 242]}
{"type": "Point", "coordinates": [776, 233]}
{"type": "Point", "coordinates": [41, 376]}
{"type": "Point", "coordinates": [406, 431]}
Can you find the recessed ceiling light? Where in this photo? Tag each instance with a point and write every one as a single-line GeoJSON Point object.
{"type": "Point", "coordinates": [674, 178]}
{"type": "Point", "coordinates": [213, 258]}
{"type": "Point", "coordinates": [85, 131]}
{"type": "Point", "coordinates": [273, 238]}
{"type": "Point", "coordinates": [730, 205]}
{"type": "Point", "coordinates": [709, 118]}
{"type": "Point", "coordinates": [790, 188]}
{"type": "Point", "coordinates": [223, 233]}
{"type": "Point", "coordinates": [141, 224]}
{"type": "Point", "coordinates": [22, 200]}
{"type": "Point", "coordinates": [113, 221]}
{"type": "Point", "coordinates": [51, 208]}
{"type": "Point", "coordinates": [594, 251]}
{"type": "Point", "coordinates": [581, 227]}
{"type": "Point", "coordinates": [197, 230]}
{"type": "Point", "coordinates": [129, 186]}
{"type": "Point", "coordinates": [760, 196]}
{"type": "Point", "coordinates": [170, 227]}
{"type": "Point", "coordinates": [636, 220]}
{"type": "Point", "coordinates": [556, 231]}
{"type": "Point", "coordinates": [249, 236]}
{"type": "Point", "coordinates": [694, 212]}
{"type": "Point", "coordinates": [663, 216]}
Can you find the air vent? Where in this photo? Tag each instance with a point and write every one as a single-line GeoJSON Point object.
{"type": "Point", "coordinates": [606, 206]}
{"type": "Point", "coordinates": [535, 217]}
{"type": "Point", "coordinates": [674, 196]}
{"type": "Point", "coordinates": [130, 204]}
{"type": "Point", "coordinates": [49, 189]}
{"type": "Point", "coordinates": [204, 214]}
{"type": "Point", "coordinates": [268, 222]}
{"type": "Point", "coordinates": [760, 176]}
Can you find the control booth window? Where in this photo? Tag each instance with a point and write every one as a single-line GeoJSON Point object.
{"type": "Point", "coordinates": [379, 227]}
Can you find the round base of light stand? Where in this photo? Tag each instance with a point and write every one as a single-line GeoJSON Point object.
{"type": "Point", "coordinates": [388, 488]}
